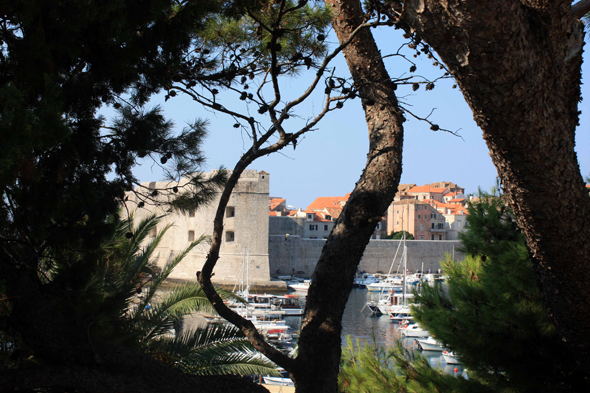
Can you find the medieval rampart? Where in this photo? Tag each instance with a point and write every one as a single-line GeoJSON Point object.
{"type": "Point", "coordinates": [293, 255]}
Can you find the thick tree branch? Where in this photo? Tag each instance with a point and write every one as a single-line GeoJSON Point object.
{"type": "Point", "coordinates": [521, 79]}
{"type": "Point", "coordinates": [257, 150]}
{"type": "Point", "coordinates": [581, 8]}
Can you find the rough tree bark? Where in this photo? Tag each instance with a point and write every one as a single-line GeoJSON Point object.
{"type": "Point", "coordinates": [518, 66]}
{"type": "Point", "coordinates": [320, 342]}
{"type": "Point", "coordinates": [316, 367]}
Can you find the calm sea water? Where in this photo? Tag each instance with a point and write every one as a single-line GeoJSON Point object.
{"type": "Point", "coordinates": [358, 323]}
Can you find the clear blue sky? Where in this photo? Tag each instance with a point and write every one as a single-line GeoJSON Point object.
{"type": "Point", "coordinates": [329, 161]}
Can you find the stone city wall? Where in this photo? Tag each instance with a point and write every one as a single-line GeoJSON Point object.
{"type": "Point", "coordinates": [293, 255]}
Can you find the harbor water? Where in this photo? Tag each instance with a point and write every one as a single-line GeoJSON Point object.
{"type": "Point", "coordinates": [358, 323]}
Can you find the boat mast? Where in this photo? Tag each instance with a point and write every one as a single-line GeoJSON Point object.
{"type": "Point", "coordinates": [405, 257]}
{"type": "Point", "coordinates": [405, 252]}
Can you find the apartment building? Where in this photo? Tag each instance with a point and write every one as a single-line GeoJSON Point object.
{"type": "Point", "coordinates": [431, 212]}
{"type": "Point", "coordinates": [419, 218]}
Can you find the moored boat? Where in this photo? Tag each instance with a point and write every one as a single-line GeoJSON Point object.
{"type": "Point", "coordinates": [450, 357]}
{"type": "Point", "coordinates": [300, 286]}
{"type": "Point", "coordinates": [414, 330]}
{"type": "Point", "coordinates": [289, 304]}
{"type": "Point", "coordinates": [430, 344]}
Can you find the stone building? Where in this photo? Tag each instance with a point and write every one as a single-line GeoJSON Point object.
{"type": "Point", "coordinates": [419, 218]}
{"type": "Point", "coordinates": [245, 235]}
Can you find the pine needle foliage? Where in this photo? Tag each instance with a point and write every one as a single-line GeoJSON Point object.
{"type": "Point", "coordinates": [372, 369]}
{"type": "Point", "coordinates": [492, 314]}
{"type": "Point", "coordinates": [292, 28]}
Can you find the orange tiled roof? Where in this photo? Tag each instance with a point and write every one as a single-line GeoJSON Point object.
{"type": "Point", "coordinates": [459, 211]}
{"type": "Point", "coordinates": [274, 202]}
{"type": "Point", "coordinates": [324, 202]}
{"type": "Point", "coordinates": [405, 187]}
{"type": "Point", "coordinates": [435, 203]}
{"type": "Point", "coordinates": [334, 212]}
{"type": "Point", "coordinates": [317, 216]}
{"type": "Point", "coordinates": [436, 190]}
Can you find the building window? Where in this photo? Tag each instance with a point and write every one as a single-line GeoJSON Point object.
{"type": "Point", "coordinates": [432, 226]}
{"type": "Point", "coordinates": [421, 237]}
{"type": "Point", "coordinates": [431, 237]}
{"type": "Point", "coordinates": [421, 227]}
{"type": "Point", "coordinates": [418, 208]}
{"type": "Point", "coordinates": [419, 216]}
{"type": "Point", "coordinates": [328, 217]}
{"type": "Point", "coordinates": [313, 227]}
{"type": "Point", "coordinates": [310, 216]}
{"type": "Point", "coordinates": [229, 236]}
{"type": "Point", "coordinates": [230, 211]}
{"type": "Point", "coordinates": [439, 237]}
{"type": "Point", "coordinates": [326, 227]}
{"type": "Point", "coordinates": [191, 236]}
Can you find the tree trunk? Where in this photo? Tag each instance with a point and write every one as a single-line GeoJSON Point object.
{"type": "Point", "coordinates": [320, 342]}
{"type": "Point", "coordinates": [518, 65]}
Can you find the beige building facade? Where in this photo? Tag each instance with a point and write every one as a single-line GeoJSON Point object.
{"type": "Point", "coordinates": [417, 217]}
{"type": "Point", "coordinates": [245, 235]}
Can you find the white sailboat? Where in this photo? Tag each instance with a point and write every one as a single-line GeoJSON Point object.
{"type": "Point", "coordinates": [450, 358]}
{"type": "Point", "coordinates": [388, 291]}
{"type": "Point", "coordinates": [430, 344]}
{"type": "Point", "coordinates": [414, 330]}
{"type": "Point", "coordinates": [300, 286]}
{"type": "Point", "coordinates": [402, 312]}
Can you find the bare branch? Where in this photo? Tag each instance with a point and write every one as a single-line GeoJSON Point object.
{"type": "Point", "coordinates": [433, 126]}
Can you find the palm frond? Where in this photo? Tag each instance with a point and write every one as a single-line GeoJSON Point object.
{"type": "Point", "coordinates": [217, 349]}
{"type": "Point", "coordinates": [158, 280]}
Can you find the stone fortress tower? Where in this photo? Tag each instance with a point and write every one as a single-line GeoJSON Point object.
{"type": "Point", "coordinates": [245, 233]}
